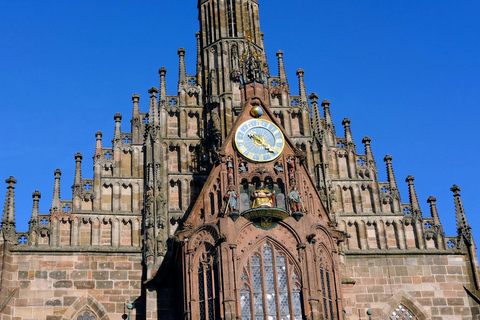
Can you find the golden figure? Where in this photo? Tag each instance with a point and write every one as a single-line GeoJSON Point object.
{"type": "Point", "coordinates": [262, 197]}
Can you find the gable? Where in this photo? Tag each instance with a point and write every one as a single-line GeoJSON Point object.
{"type": "Point", "coordinates": [260, 173]}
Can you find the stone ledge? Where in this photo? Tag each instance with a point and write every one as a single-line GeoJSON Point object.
{"type": "Point", "coordinates": [78, 249]}
{"type": "Point", "coordinates": [396, 252]}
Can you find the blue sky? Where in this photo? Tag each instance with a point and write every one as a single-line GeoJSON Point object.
{"type": "Point", "coordinates": [405, 72]}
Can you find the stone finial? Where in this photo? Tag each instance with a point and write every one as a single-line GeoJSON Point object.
{"type": "Point", "coordinates": [390, 174]}
{"type": "Point", "coordinates": [199, 59]}
{"type": "Point", "coordinates": [78, 168]}
{"type": "Point", "coordinates": [326, 112]}
{"type": "Point", "coordinates": [9, 209]}
{"type": "Point", "coordinates": [153, 92]}
{"type": "Point", "coordinates": [118, 126]}
{"type": "Point", "coordinates": [163, 84]}
{"type": "Point", "coordinates": [412, 193]}
{"type": "Point", "coordinates": [136, 107]}
{"type": "Point", "coordinates": [433, 210]}
{"type": "Point", "coordinates": [36, 195]}
{"type": "Point", "coordinates": [7, 228]}
{"type": "Point", "coordinates": [301, 85]}
{"type": "Point", "coordinates": [413, 196]}
{"type": "Point", "coordinates": [313, 96]}
{"type": "Point", "coordinates": [153, 110]}
{"type": "Point", "coordinates": [317, 124]}
{"type": "Point", "coordinates": [348, 132]}
{"type": "Point", "coordinates": [56, 188]}
{"type": "Point", "coordinates": [281, 67]}
{"type": "Point", "coordinates": [368, 149]}
{"type": "Point", "coordinates": [182, 70]}
{"type": "Point", "coordinates": [440, 242]}
{"type": "Point", "coordinates": [463, 228]}
{"type": "Point", "coordinates": [98, 145]}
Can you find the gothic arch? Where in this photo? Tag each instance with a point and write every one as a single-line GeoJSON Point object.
{"type": "Point", "coordinates": [403, 298]}
{"type": "Point", "coordinates": [86, 303]}
{"type": "Point", "coordinates": [323, 234]}
{"type": "Point", "coordinates": [277, 245]}
{"type": "Point", "coordinates": [328, 279]}
{"type": "Point", "coordinates": [206, 234]}
{"type": "Point", "coordinates": [270, 277]}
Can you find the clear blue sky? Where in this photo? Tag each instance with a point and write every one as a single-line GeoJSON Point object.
{"type": "Point", "coordinates": [405, 72]}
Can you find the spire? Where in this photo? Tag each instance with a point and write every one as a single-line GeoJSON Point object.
{"type": "Point", "coordinates": [329, 128]}
{"type": "Point", "coordinates": [78, 168]}
{"type": "Point", "coordinates": [136, 108]}
{"type": "Point", "coordinates": [463, 228]}
{"type": "Point", "coordinates": [281, 68]}
{"type": "Point", "coordinates": [390, 175]}
{"type": "Point", "coordinates": [163, 84]}
{"type": "Point", "coordinates": [36, 199]}
{"type": "Point", "coordinates": [433, 210]}
{"type": "Point", "coordinates": [182, 73]}
{"type": "Point", "coordinates": [301, 85]}
{"type": "Point", "coordinates": [326, 113]}
{"type": "Point", "coordinates": [9, 209]}
{"type": "Point", "coordinates": [368, 149]}
{"type": "Point", "coordinates": [118, 126]}
{"type": "Point", "coordinates": [153, 118]}
{"type": "Point", "coordinates": [199, 60]}
{"type": "Point", "coordinates": [56, 190]}
{"type": "Point", "coordinates": [348, 132]}
{"type": "Point", "coordinates": [98, 145]}
{"type": "Point", "coordinates": [413, 197]}
{"type": "Point", "coordinates": [316, 120]}
{"type": "Point", "coordinates": [7, 229]}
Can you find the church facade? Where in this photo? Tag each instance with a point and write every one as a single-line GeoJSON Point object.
{"type": "Point", "coordinates": [235, 199]}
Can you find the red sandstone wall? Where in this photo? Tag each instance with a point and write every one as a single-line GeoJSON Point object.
{"type": "Point", "coordinates": [52, 286]}
{"type": "Point", "coordinates": [432, 285]}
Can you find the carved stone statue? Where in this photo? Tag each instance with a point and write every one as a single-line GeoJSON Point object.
{"type": "Point", "coordinates": [262, 197]}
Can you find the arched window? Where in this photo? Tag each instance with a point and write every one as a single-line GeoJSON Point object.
{"type": "Point", "coordinates": [86, 316]}
{"type": "Point", "coordinates": [327, 290]}
{"type": "Point", "coordinates": [270, 287]}
{"type": "Point", "coordinates": [207, 288]}
{"type": "Point", "coordinates": [402, 313]}
{"type": "Point", "coordinates": [327, 285]}
{"type": "Point", "coordinates": [232, 18]}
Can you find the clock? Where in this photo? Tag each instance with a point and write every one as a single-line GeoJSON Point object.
{"type": "Point", "coordinates": [259, 140]}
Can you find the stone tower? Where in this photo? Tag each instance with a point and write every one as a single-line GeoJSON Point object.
{"type": "Point", "coordinates": [235, 199]}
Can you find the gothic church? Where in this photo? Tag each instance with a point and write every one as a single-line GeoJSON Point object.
{"type": "Point", "coordinates": [235, 199]}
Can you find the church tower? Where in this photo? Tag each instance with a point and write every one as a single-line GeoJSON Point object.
{"type": "Point", "coordinates": [225, 27]}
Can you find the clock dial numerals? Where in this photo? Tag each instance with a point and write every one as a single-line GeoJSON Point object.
{"type": "Point", "coordinates": [259, 140]}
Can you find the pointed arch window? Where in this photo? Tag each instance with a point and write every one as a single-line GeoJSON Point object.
{"type": "Point", "coordinates": [270, 287]}
{"type": "Point", "coordinates": [402, 313]}
{"type": "Point", "coordinates": [327, 285]}
{"type": "Point", "coordinates": [86, 316]}
{"type": "Point", "coordinates": [327, 290]}
{"type": "Point", "coordinates": [207, 290]}
{"type": "Point", "coordinates": [232, 18]}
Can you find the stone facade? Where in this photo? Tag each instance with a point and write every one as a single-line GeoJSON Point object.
{"type": "Point", "coordinates": [181, 221]}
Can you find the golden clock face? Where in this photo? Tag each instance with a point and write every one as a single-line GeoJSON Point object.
{"type": "Point", "coordinates": [259, 140]}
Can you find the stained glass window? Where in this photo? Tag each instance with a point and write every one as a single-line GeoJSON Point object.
{"type": "Point", "coordinates": [201, 292]}
{"type": "Point", "coordinates": [402, 313]}
{"type": "Point", "coordinates": [328, 291]}
{"type": "Point", "coordinates": [86, 316]}
{"type": "Point", "coordinates": [206, 292]}
{"type": "Point", "coordinates": [275, 289]}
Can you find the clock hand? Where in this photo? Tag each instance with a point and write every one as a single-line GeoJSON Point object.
{"type": "Point", "coordinates": [261, 141]}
